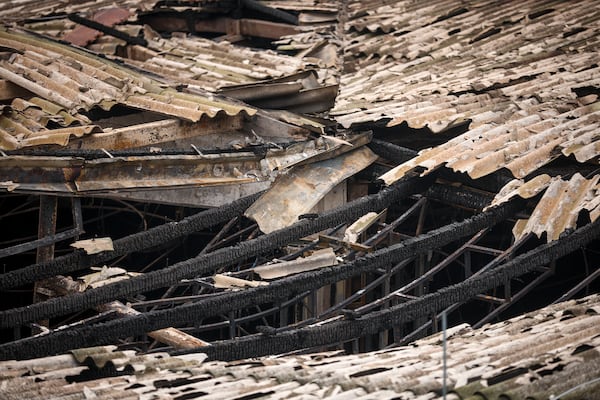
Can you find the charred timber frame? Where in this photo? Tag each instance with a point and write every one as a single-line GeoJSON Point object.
{"type": "Point", "coordinates": [207, 263]}
{"type": "Point", "coordinates": [274, 292]}
{"type": "Point", "coordinates": [342, 331]}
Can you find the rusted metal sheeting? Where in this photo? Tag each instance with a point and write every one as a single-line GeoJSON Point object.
{"type": "Point", "coordinates": [300, 189]}
{"type": "Point", "coordinates": [548, 351]}
{"type": "Point", "coordinates": [76, 80]}
{"type": "Point", "coordinates": [76, 175]}
{"type": "Point", "coordinates": [246, 172]}
{"type": "Point", "coordinates": [189, 196]}
{"type": "Point", "coordinates": [82, 35]}
{"type": "Point", "coordinates": [559, 207]}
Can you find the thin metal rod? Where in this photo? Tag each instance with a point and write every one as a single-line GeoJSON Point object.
{"type": "Point", "coordinates": [219, 235]}
{"type": "Point", "coordinates": [382, 234]}
{"type": "Point", "coordinates": [430, 273]}
{"type": "Point", "coordinates": [43, 242]}
{"type": "Point", "coordinates": [444, 355]}
{"type": "Point", "coordinates": [514, 298]}
{"type": "Point", "coordinates": [492, 264]}
{"type": "Point", "coordinates": [578, 287]}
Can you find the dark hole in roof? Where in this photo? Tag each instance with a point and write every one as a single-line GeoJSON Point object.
{"type": "Point", "coordinates": [134, 386]}
{"type": "Point", "coordinates": [163, 383]}
{"type": "Point", "coordinates": [371, 371]}
{"type": "Point", "coordinates": [486, 34]}
{"type": "Point", "coordinates": [550, 371]}
{"type": "Point", "coordinates": [254, 396]}
{"type": "Point", "coordinates": [192, 395]}
{"type": "Point", "coordinates": [540, 13]}
{"type": "Point", "coordinates": [581, 349]}
{"type": "Point", "coordinates": [452, 13]}
{"type": "Point", "coordinates": [507, 374]}
{"type": "Point", "coordinates": [574, 31]}
{"type": "Point", "coordinates": [586, 90]}
{"type": "Point", "coordinates": [567, 317]}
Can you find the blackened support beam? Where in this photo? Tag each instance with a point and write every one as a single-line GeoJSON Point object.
{"type": "Point", "coordinates": [108, 30]}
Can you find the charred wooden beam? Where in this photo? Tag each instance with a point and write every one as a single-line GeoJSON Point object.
{"type": "Point", "coordinates": [48, 214]}
{"type": "Point", "coordinates": [342, 331]}
{"type": "Point", "coordinates": [34, 244]}
{"type": "Point", "coordinates": [276, 291]}
{"type": "Point", "coordinates": [392, 152]}
{"type": "Point", "coordinates": [139, 241]}
{"type": "Point", "coordinates": [108, 30]}
{"type": "Point", "coordinates": [208, 263]}
{"type": "Point", "coordinates": [515, 297]}
{"type": "Point", "coordinates": [270, 11]}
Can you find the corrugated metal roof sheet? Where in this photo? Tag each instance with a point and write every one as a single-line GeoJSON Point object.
{"type": "Point", "coordinates": [545, 352]}
{"type": "Point", "coordinates": [439, 65]}
{"type": "Point", "coordinates": [209, 65]}
{"type": "Point", "coordinates": [524, 76]}
{"type": "Point", "coordinates": [25, 123]}
{"type": "Point", "coordinates": [67, 81]}
{"type": "Point", "coordinates": [559, 207]}
{"type": "Point", "coordinates": [76, 80]}
{"type": "Point", "coordinates": [522, 144]}
{"type": "Point", "coordinates": [19, 10]}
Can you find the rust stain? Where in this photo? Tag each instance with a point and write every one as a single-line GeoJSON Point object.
{"type": "Point", "coordinates": [82, 35]}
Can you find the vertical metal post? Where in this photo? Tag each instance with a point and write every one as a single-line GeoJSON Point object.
{"type": "Point", "coordinates": [444, 366]}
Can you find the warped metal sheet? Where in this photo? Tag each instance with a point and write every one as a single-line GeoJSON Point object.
{"type": "Point", "coordinates": [559, 208]}
{"type": "Point", "coordinates": [300, 189]}
{"type": "Point", "coordinates": [76, 175]}
{"type": "Point", "coordinates": [24, 123]}
{"type": "Point", "coordinates": [211, 65]}
{"type": "Point", "coordinates": [76, 80]}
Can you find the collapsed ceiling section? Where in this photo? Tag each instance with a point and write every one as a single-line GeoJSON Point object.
{"type": "Point", "coordinates": [257, 173]}
{"type": "Point", "coordinates": [411, 372]}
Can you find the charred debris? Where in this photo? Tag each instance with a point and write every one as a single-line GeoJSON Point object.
{"type": "Point", "coordinates": [247, 178]}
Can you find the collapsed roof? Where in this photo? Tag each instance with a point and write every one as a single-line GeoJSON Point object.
{"type": "Point", "coordinates": [378, 165]}
{"type": "Point", "coordinates": [541, 359]}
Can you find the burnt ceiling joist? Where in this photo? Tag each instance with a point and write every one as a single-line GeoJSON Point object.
{"type": "Point", "coordinates": [204, 263]}
{"type": "Point", "coordinates": [291, 176]}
